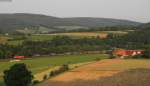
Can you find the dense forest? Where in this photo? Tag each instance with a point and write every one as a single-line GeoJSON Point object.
{"type": "Point", "coordinates": [138, 39]}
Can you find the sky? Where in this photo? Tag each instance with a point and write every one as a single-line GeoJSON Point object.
{"type": "Point", "coordinates": [136, 10]}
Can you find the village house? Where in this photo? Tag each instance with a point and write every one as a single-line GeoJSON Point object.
{"type": "Point", "coordinates": [122, 52]}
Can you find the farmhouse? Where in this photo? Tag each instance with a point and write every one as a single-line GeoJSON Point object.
{"type": "Point", "coordinates": [123, 52]}
{"type": "Point", "coordinates": [19, 57]}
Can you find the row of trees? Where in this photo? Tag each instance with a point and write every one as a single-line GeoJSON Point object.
{"type": "Point", "coordinates": [63, 44]}
{"type": "Point", "coordinates": [7, 51]}
{"type": "Point", "coordinates": [60, 44]}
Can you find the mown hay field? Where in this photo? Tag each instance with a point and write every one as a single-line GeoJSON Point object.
{"type": "Point", "coordinates": [3, 39]}
{"type": "Point", "coordinates": [101, 34]}
{"type": "Point", "coordinates": [105, 73]}
{"type": "Point", "coordinates": [82, 34]}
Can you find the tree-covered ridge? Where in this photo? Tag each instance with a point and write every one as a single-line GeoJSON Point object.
{"type": "Point", "coordinates": [12, 22]}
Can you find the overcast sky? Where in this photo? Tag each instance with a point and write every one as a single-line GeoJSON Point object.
{"type": "Point", "coordinates": [137, 10]}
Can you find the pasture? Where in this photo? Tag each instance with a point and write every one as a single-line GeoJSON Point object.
{"type": "Point", "coordinates": [40, 64]}
{"type": "Point", "coordinates": [15, 42]}
{"type": "Point", "coordinates": [106, 72]}
{"type": "Point", "coordinates": [1, 83]}
{"type": "Point", "coordinates": [5, 39]}
{"type": "Point", "coordinates": [32, 37]}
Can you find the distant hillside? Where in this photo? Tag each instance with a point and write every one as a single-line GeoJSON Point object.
{"type": "Point", "coordinates": [100, 22]}
{"type": "Point", "coordinates": [12, 22]}
{"type": "Point", "coordinates": [144, 26]}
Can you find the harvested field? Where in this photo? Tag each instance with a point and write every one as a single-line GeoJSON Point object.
{"type": "Point", "coordinates": [136, 77]}
{"type": "Point", "coordinates": [3, 39]}
{"type": "Point", "coordinates": [105, 73]}
{"type": "Point", "coordinates": [83, 34]}
{"type": "Point", "coordinates": [87, 72]}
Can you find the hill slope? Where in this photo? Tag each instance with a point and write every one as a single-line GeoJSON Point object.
{"type": "Point", "coordinates": [10, 22]}
{"type": "Point", "coordinates": [144, 26]}
{"type": "Point", "coordinates": [100, 22]}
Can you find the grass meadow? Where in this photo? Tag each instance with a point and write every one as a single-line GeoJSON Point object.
{"type": "Point", "coordinates": [39, 64]}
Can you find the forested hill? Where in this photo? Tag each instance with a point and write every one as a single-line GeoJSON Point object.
{"type": "Point", "coordinates": [100, 22]}
{"type": "Point", "coordinates": [137, 39]}
{"type": "Point", "coordinates": [144, 26]}
{"type": "Point", "coordinates": [10, 22]}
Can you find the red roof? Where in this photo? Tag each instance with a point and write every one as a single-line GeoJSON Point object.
{"type": "Point", "coordinates": [123, 52]}
{"type": "Point", "coordinates": [19, 57]}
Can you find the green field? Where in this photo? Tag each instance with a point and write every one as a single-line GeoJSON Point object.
{"type": "Point", "coordinates": [6, 39]}
{"type": "Point", "coordinates": [115, 32]}
{"type": "Point", "coordinates": [37, 65]}
{"type": "Point", "coordinates": [16, 42]}
{"type": "Point", "coordinates": [33, 38]}
{"type": "Point", "coordinates": [1, 83]}
{"type": "Point", "coordinates": [41, 37]}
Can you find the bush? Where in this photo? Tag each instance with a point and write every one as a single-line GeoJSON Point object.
{"type": "Point", "coordinates": [45, 77]}
{"type": "Point", "coordinates": [128, 57]}
{"type": "Point", "coordinates": [134, 57]}
{"type": "Point", "coordinates": [76, 66]}
{"type": "Point", "coordinates": [35, 82]}
{"type": "Point", "coordinates": [137, 57]}
{"type": "Point", "coordinates": [97, 59]}
{"type": "Point", "coordinates": [62, 69]}
{"type": "Point", "coordinates": [146, 54]}
{"type": "Point", "coordinates": [18, 75]}
{"type": "Point", "coordinates": [111, 56]}
{"type": "Point", "coordinates": [51, 74]}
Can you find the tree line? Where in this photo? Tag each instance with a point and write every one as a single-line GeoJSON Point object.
{"type": "Point", "coordinates": [59, 44]}
{"type": "Point", "coordinates": [138, 39]}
